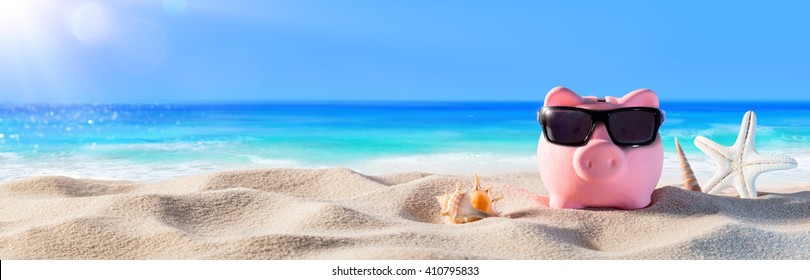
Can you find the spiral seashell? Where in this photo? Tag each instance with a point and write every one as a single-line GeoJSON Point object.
{"type": "Point", "coordinates": [687, 175]}
{"type": "Point", "coordinates": [473, 205]}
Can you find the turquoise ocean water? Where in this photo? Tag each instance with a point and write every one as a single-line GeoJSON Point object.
{"type": "Point", "coordinates": [158, 141]}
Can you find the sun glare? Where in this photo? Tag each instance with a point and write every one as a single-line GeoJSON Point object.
{"type": "Point", "coordinates": [31, 59]}
{"type": "Point", "coordinates": [16, 16]}
{"type": "Point", "coordinates": [43, 42]}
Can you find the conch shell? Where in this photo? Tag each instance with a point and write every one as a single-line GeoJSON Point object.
{"type": "Point", "coordinates": [688, 177]}
{"type": "Point", "coordinates": [473, 205]}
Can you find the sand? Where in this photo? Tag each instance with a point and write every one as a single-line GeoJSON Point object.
{"type": "Point", "coordinates": [341, 214]}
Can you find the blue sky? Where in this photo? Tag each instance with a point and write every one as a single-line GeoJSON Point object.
{"type": "Point", "coordinates": [239, 50]}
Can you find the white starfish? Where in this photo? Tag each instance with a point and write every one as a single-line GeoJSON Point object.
{"type": "Point", "coordinates": [740, 164]}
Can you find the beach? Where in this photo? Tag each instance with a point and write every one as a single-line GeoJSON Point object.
{"type": "Point", "coordinates": [358, 180]}
{"type": "Point", "coordinates": [338, 213]}
{"type": "Point", "coordinates": [332, 130]}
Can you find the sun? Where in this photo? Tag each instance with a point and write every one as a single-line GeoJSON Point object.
{"type": "Point", "coordinates": [45, 45]}
{"type": "Point", "coordinates": [25, 25]}
{"type": "Point", "coordinates": [16, 16]}
{"type": "Point", "coordinates": [31, 48]}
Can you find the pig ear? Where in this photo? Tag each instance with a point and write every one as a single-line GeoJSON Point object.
{"type": "Point", "coordinates": [640, 98]}
{"type": "Point", "coordinates": [561, 96]}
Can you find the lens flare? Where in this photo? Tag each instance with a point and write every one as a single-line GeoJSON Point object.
{"type": "Point", "coordinates": [91, 23]}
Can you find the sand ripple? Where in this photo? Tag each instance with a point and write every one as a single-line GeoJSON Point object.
{"type": "Point", "coordinates": [341, 214]}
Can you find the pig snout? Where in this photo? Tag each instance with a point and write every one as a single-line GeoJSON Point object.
{"type": "Point", "coordinates": [600, 159]}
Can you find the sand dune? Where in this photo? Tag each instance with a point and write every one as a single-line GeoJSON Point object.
{"type": "Point", "coordinates": [340, 214]}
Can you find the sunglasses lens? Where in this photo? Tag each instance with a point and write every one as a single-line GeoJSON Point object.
{"type": "Point", "coordinates": [567, 126]}
{"type": "Point", "coordinates": [632, 127]}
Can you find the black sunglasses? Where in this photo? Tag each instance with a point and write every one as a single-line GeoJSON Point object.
{"type": "Point", "coordinates": [571, 126]}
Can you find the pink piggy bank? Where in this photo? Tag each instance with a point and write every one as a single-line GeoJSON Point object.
{"type": "Point", "coordinates": [600, 152]}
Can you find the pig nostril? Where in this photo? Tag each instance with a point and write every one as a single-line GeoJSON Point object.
{"type": "Point", "coordinates": [599, 162]}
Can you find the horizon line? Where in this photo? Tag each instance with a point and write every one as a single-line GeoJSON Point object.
{"type": "Point", "coordinates": [337, 101]}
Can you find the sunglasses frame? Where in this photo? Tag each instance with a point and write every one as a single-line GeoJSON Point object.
{"type": "Point", "coordinates": [602, 116]}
